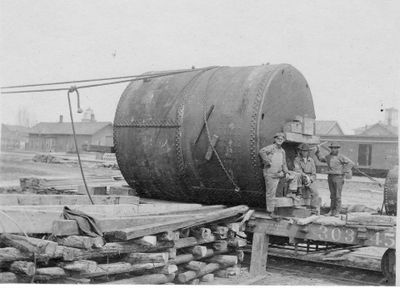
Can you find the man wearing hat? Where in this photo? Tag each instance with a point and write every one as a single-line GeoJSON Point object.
{"type": "Point", "coordinates": [305, 166]}
{"type": "Point", "coordinates": [275, 168]}
{"type": "Point", "coordinates": [338, 167]}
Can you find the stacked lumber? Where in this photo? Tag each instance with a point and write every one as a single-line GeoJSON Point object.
{"type": "Point", "coordinates": [97, 185]}
{"type": "Point", "coordinates": [176, 246]}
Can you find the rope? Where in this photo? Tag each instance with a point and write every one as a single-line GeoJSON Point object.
{"type": "Point", "coordinates": [135, 78]}
{"type": "Point", "coordinates": [74, 89]}
{"type": "Point", "coordinates": [221, 164]}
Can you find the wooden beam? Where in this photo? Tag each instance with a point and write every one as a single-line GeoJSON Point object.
{"type": "Point", "coordinates": [97, 211]}
{"type": "Point", "coordinates": [69, 227]}
{"type": "Point", "coordinates": [139, 231]}
{"type": "Point", "coordinates": [24, 199]}
{"type": "Point", "coordinates": [259, 254]}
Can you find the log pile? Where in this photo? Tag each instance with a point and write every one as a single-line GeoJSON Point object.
{"type": "Point", "coordinates": [184, 248]}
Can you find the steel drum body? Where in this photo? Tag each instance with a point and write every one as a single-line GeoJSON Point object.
{"type": "Point", "coordinates": [158, 121]}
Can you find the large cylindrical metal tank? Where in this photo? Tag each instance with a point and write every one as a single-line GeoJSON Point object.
{"type": "Point", "coordinates": [164, 150]}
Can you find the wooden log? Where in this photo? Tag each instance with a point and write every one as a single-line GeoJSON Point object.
{"type": "Point", "coordinates": [197, 251]}
{"type": "Point", "coordinates": [193, 282]}
{"type": "Point", "coordinates": [171, 253]}
{"type": "Point", "coordinates": [168, 236]}
{"type": "Point", "coordinates": [72, 280]}
{"type": "Point", "coordinates": [93, 190]}
{"type": "Point", "coordinates": [53, 272]}
{"type": "Point", "coordinates": [221, 232]}
{"type": "Point", "coordinates": [207, 278]}
{"type": "Point", "coordinates": [29, 244]}
{"type": "Point", "coordinates": [195, 265]}
{"type": "Point", "coordinates": [23, 267]}
{"type": "Point", "coordinates": [83, 242]}
{"type": "Point", "coordinates": [237, 242]}
{"type": "Point", "coordinates": [180, 259]}
{"type": "Point", "coordinates": [185, 242]}
{"type": "Point", "coordinates": [203, 234]}
{"type": "Point", "coordinates": [224, 260]}
{"type": "Point", "coordinates": [25, 199]}
{"type": "Point", "coordinates": [220, 245]}
{"type": "Point", "coordinates": [134, 258]}
{"type": "Point", "coordinates": [209, 253]}
{"type": "Point", "coordinates": [150, 239]}
{"type": "Point", "coordinates": [190, 275]}
{"type": "Point", "coordinates": [10, 254]}
{"type": "Point", "coordinates": [146, 279]}
{"type": "Point", "coordinates": [8, 277]}
{"type": "Point", "coordinates": [139, 231]}
{"type": "Point", "coordinates": [167, 269]}
{"type": "Point", "coordinates": [111, 249]}
{"type": "Point", "coordinates": [228, 272]}
{"type": "Point", "coordinates": [85, 266]}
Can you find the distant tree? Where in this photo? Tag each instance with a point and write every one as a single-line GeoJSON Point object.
{"type": "Point", "coordinates": [25, 117]}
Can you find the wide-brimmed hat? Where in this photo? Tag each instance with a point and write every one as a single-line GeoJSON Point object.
{"type": "Point", "coordinates": [334, 145]}
{"type": "Point", "coordinates": [279, 134]}
{"type": "Point", "coordinates": [304, 147]}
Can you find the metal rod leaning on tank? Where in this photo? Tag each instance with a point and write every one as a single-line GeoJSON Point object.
{"type": "Point", "coordinates": [204, 123]}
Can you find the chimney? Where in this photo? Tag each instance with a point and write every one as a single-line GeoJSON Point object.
{"type": "Point", "coordinates": [391, 116]}
{"type": "Point", "coordinates": [92, 118]}
{"type": "Point", "coordinates": [61, 119]}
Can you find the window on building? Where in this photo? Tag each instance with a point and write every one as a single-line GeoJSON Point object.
{"type": "Point", "coordinates": [364, 154]}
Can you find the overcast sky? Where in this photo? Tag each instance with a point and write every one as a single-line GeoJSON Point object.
{"type": "Point", "coordinates": [349, 51]}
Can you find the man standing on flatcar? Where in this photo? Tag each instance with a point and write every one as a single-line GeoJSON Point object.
{"type": "Point", "coordinates": [339, 166]}
{"type": "Point", "coordinates": [275, 168]}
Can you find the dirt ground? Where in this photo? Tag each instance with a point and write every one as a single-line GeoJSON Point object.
{"type": "Point", "coordinates": [17, 165]}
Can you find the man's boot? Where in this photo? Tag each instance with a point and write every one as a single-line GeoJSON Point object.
{"type": "Point", "coordinates": [332, 209]}
{"type": "Point", "coordinates": [338, 207]}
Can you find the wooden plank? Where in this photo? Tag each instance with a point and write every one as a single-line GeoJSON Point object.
{"type": "Point", "coordinates": [259, 254]}
{"type": "Point", "coordinates": [69, 227]}
{"type": "Point", "coordinates": [97, 211]}
{"type": "Point", "coordinates": [139, 231]}
{"type": "Point", "coordinates": [93, 190]}
{"type": "Point", "coordinates": [25, 199]}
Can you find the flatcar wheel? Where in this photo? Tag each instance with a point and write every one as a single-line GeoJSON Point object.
{"type": "Point", "coordinates": [388, 265]}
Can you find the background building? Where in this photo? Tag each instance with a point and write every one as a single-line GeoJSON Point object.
{"type": "Point", "coordinates": [14, 137]}
{"type": "Point", "coordinates": [374, 148]}
{"type": "Point", "coordinates": [58, 136]}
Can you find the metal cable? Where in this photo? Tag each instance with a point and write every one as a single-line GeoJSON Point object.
{"type": "Point", "coordinates": [74, 89]}
{"type": "Point", "coordinates": [132, 78]}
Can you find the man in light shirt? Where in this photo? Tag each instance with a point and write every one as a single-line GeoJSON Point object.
{"type": "Point", "coordinates": [338, 167]}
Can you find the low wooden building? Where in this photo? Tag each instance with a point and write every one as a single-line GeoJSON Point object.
{"type": "Point", "coordinates": [14, 137]}
{"type": "Point", "coordinates": [58, 136]}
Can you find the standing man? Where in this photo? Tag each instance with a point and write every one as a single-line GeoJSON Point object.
{"type": "Point", "coordinates": [305, 166]}
{"type": "Point", "coordinates": [338, 167]}
{"type": "Point", "coordinates": [275, 168]}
